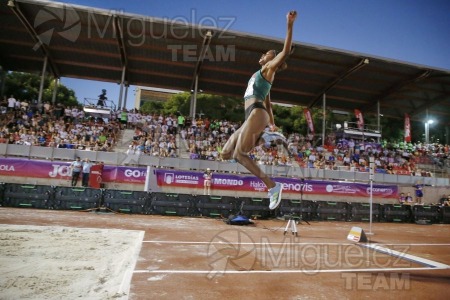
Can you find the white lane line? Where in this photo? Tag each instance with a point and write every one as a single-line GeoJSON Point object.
{"type": "Point", "coordinates": [284, 271]}
{"type": "Point", "coordinates": [277, 243]}
{"type": "Point", "coordinates": [239, 243]}
{"type": "Point", "coordinates": [402, 255]}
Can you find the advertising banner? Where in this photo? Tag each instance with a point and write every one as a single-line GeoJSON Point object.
{"type": "Point", "coordinates": [191, 179]}
{"type": "Point", "coordinates": [221, 181]}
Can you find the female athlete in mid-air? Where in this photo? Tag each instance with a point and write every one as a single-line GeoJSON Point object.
{"type": "Point", "coordinates": [258, 114]}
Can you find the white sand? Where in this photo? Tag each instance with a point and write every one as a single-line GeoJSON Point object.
{"type": "Point", "coordinates": [42, 262]}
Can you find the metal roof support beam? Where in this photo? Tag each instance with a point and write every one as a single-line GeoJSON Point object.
{"type": "Point", "coordinates": [123, 60]}
{"type": "Point", "coordinates": [198, 66]}
{"type": "Point", "coordinates": [122, 80]}
{"type": "Point", "coordinates": [324, 122]}
{"type": "Point", "coordinates": [363, 62]}
{"type": "Point", "coordinates": [378, 120]}
{"type": "Point", "coordinates": [194, 92]}
{"type": "Point", "coordinates": [126, 96]}
{"type": "Point", "coordinates": [427, 127]}
{"type": "Point", "coordinates": [39, 43]}
{"type": "Point", "coordinates": [55, 90]}
{"type": "Point", "coordinates": [120, 40]}
{"type": "Point", "coordinates": [41, 86]}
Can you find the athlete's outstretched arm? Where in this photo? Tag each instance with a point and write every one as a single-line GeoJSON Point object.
{"type": "Point", "coordinates": [281, 57]}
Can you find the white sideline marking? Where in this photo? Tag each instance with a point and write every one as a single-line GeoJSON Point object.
{"type": "Point", "coordinates": [423, 261]}
{"type": "Point", "coordinates": [284, 271]}
{"type": "Point", "coordinates": [238, 243]}
{"type": "Point", "coordinates": [277, 243]}
{"type": "Point", "coordinates": [428, 263]}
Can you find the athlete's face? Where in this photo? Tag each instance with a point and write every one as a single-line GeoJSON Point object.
{"type": "Point", "coordinates": [266, 57]}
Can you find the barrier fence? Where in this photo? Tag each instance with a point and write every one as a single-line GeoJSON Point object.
{"type": "Point", "coordinates": [136, 202]}
{"type": "Point", "coordinates": [123, 159]}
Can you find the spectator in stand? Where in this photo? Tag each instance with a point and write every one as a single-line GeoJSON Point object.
{"type": "Point", "coordinates": [409, 199]}
{"type": "Point", "coordinates": [87, 165]}
{"type": "Point", "coordinates": [124, 118]}
{"type": "Point", "coordinates": [207, 179]}
{"type": "Point", "coordinates": [347, 160]}
{"type": "Point", "coordinates": [11, 103]}
{"type": "Point", "coordinates": [102, 99]}
{"type": "Point", "coordinates": [42, 140]}
{"type": "Point", "coordinates": [76, 168]}
{"type": "Point", "coordinates": [402, 198]}
{"type": "Point", "coordinates": [419, 192]}
{"type": "Point", "coordinates": [17, 105]}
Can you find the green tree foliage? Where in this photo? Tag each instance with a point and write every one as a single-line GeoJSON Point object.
{"type": "Point", "coordinates": [178, 104]}
{"type": "Point", "coordinates": [221, 107]}
{"type": "Point", "coordinates": [152, 107]}
{"type": "Point", "coordinates": [25, 86]}
{"type": "Point", "coordinates": [210, 106]}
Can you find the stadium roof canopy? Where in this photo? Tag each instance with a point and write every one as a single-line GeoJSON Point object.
{"type": "Point", "coordinates": [96, 44]}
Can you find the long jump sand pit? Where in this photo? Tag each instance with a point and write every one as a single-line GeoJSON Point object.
{"type": "Point", "coordinates": [55, 262]}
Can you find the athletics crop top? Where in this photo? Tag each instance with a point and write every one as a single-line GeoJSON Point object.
{"type": "Point", "coordinates": [258, 87]}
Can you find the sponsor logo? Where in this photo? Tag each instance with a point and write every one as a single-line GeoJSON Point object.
{"type": "Point", "coordinates": [298, 187]}
{"type": "Point", "coordinates": [227, 181]}
{"type": "Point", "coordinates": [134, 173]}
{"type": "Point", "coordinates": [380, 190]}
{"type": "Point", "coordinates": [169, 178]}
{"type": "Point", "coordinates": [7, 168]}
{"type": "Point", "coordinates": [340, 189]}
{"type": "Point", "coordinates": [258, 186]}
{"type": "Point", "coordinates": [59, 170]}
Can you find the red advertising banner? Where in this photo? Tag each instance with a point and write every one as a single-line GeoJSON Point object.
{"type": "Point", "coordinates": [309, 120]}
{"type": "Point", "coordinates": [95, 178]}
{"type": "Point", "coordinates": [407, 129]}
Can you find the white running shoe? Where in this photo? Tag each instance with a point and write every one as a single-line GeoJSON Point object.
{"type": "Point", "coordinates": [275, 195]}
{"type": "Point", "coordinates": [270, 137]}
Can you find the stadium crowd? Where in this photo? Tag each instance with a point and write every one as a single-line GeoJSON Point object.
{"type": "Point", "coordinates": [206, 138]}
{"type": "Point", "coordinates": [56, 126]}
{"type": "Point", "coordinates": [155, 134]}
